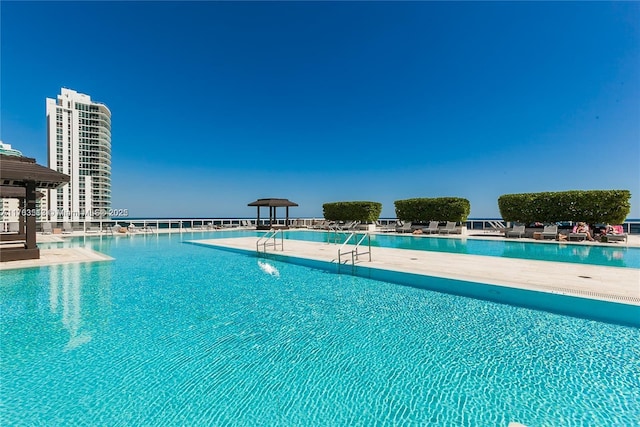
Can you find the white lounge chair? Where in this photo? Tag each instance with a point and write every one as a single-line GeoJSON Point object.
{"type": "Point", "coordinates": [320, 225]}
{"type": "Point", "coordinates": [432, 228]}
{"type": "Point", "coordinates": [66, 228]}
{"type": "Point", "coordinates": [382, 228]}
{"type": "Point", "coordinates": [516, 231]}
{"type": "Point", "coordinates": [404, 227]}
{"type": "Point", "coordinates": [549, 231]}
{"type": "Point", "coordinates": [349, 225]}
{"type": "Point", "coordinates": [449, 228]}
{"type": "Point", "coordinates": [147, 228]}
{"type": "Point", "coordinates": [46, 228]}
{"type": "Point", "coordinates": [496, 226]}
{"type": "Point", "coordinates": [615, 237]}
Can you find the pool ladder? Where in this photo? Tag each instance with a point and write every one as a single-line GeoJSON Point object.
{"type": "Point", "coordinates": [270, 239]}
{"type": "Point", "coordinates": [355, 252]}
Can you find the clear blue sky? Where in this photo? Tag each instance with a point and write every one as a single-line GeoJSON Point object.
{"type": "Point", "coordinates": [216, 104]}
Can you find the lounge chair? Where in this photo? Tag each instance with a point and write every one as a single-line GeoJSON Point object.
{"type": "Point", "coordinates": [577, 236]}
{"type": "Point", "coordinates": [116, 229]}
{"type": "Point", "coordinates": [449, 228]}
{"type": "Point", "coordinates": [388, 228]}
{"type": "Point", "coordinates": [432, 228]}
{"type": "Point", "coordinates": [516, 231]}
{"type": "Point", "coordinates": [404, 228]}
{"type": "Point", "coordinates": [332, 225]}
{"type": "Point", "coordinates": [14, 227]}
{"type": "Point", "coordinates": [147, 229]}
{"type": "Point", "coordinates": [46, 228]}
{"type": "Point", "coordinates": [66, 228]}
{"type": "Point", "coordinates": [320, 225]}
{"type": "Point", "coordinates": [297, 223]}
{"type": "Point", "coordinates": [618, 235]}
{"type": "Point", "coordinates": [496, 226]}
{"type": "Point", "coordinates": [93, 229]}
{"type": "Point", "coordinates": [349, 226]}
{"type": "Point", "coordinates": [549, 231]}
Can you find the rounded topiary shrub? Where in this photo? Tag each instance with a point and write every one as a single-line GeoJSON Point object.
{"type": "Point", "coordinates": [433, 209]}
{"type": "Point", "coordinates": [352, 211]}
{"type": "Point", "coordinates": [590, 206]}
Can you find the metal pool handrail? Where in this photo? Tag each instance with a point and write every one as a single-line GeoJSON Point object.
{"type": "Point", "coordinates": [265, 240]}
{"type": "Point", "coordinates": [354, 252]}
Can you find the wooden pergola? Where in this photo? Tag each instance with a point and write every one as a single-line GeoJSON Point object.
{"type": "Point", "coordinates": [273, 204]}
{"type": "Point", "coordinates": [19, 178]}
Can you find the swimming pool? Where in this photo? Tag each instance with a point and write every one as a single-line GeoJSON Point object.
{"type": "Point", "coordinates": [609, 255]}
{"type": "Point", "coordinates": [613, 256]}
{"type": "Point", "coordinates": [176, 334]}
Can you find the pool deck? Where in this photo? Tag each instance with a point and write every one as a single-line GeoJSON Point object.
{"type": "Point", "coordinates": [57, 256]}
{"type": "Point", "coordinates": [580, 280]}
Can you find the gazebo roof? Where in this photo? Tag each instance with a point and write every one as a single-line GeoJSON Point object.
{"type": "Point", "coordinates": [17, 171]}
{"type": "Point", "coordinates": [273, 202]}
{"type": "Point", "coordinates": [16, 193]}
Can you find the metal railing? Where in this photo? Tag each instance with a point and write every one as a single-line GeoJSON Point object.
{"type": "Point", "coordinates": [200, 224]}
{"type": "Point", "coordinates": [270, 238]}
{"type": "Point", "coordinates": [337, 233]}
{"type": "Point", "coordinates": [629, 227]}
{"type": "Point", "coordinates": [355, 253]}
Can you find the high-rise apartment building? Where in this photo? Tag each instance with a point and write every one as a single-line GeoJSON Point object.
{"type": "Point", "coordinates": [10, 207]}
{"type": "Point", "coordinates": [79, 145]}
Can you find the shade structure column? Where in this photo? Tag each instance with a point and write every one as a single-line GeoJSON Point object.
{"type": "Point", "coordinates": [30, 214]}
{"type": "Point", "coordinates": [258, 217]}
{"type": "Point", "coordinates": [22, 206]}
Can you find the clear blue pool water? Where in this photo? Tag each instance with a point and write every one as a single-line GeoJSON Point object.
{"type": "Point", "coordinates": [617, 255]}
{"type": "Point", "coordinates": [176, 334]}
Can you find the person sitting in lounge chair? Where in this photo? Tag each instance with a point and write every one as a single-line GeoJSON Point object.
{"type": "Point", "coordinates": [610, 229]}
{"type": "Point", "coordinates": [583, 228]}
{"type": "Point", "coordinates": [613, 233]}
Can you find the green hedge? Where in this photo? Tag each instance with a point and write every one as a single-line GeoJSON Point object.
{"type": "Point", "coordinates": [433, 209]}
{"type": "Point", "coordinates": [352, 211]}
{"type": "Point", "coordinates": [592, 206]}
